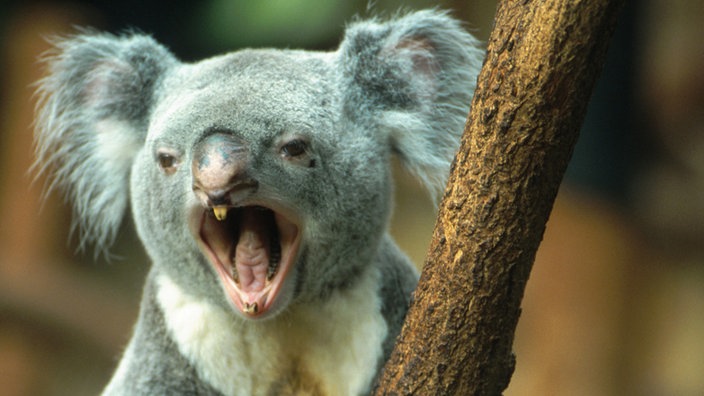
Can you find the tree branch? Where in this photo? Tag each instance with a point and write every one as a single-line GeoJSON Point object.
{"type": "Point", "coordinates": [543, 58]}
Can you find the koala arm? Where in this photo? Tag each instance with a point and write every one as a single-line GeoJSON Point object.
{"type": "Point", "coordinates": [152, 364]}
{"type": "Point", "coordinates": [398, 280]}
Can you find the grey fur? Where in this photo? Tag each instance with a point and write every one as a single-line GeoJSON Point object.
{"type": "Point", "coordinates": [111, 104]}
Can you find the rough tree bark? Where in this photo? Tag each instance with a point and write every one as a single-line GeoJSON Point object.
{"type": "Point", "coordinates": [543, 58]}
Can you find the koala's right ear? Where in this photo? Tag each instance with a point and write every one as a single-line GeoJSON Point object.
{"type": "Point", "coordinates": [412, 78]}
{"type": "Point", "coordinates": [92, 117]}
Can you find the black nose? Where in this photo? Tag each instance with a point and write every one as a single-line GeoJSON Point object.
{"type": "Point", "coordinates": [220, 170]}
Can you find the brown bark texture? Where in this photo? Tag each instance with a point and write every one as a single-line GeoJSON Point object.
{"type": "Point", "coordinates": [543, 58]}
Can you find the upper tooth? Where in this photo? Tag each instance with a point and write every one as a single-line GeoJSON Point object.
{"type": "Point", "coordinates": [220, 212]}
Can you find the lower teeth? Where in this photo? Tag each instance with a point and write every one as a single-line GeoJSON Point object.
{"type": "Point", "coordinates": [273, 267]}
{"type": "Point", "coordinates": [251, 309]}
{"type": "Point", "coordinates": [274, 257]}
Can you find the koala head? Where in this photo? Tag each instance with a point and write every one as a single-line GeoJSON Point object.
{"type": "Point", "coordinates": [259, 178]}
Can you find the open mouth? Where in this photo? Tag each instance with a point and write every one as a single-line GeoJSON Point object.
{"type": "Point", "coordinates": [253, 249]}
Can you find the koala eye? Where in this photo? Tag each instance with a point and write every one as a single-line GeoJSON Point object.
{"type": "Point", "coordinates": [167, 162]}
{"type": "Point", "coordinates": [294, 148]}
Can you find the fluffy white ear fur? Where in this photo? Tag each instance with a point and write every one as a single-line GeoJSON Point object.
{"type": "Point", "coordinates": [419, 72]}
{"type": "Point", "coordinates": [92, 116]}
{"type": "Point", "coordinates": [417, 153]}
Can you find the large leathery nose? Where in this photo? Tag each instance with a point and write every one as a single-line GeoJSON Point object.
{"type": "Point", "coordinates": [219, 167]}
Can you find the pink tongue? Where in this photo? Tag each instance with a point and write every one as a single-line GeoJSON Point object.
{"type": "Point", "coordinates": [252, 252]}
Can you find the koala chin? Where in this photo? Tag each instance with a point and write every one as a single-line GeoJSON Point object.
{"type": "Point", "coordinates": [260, 185]}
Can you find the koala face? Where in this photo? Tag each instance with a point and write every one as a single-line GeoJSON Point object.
{"type": "Point", "coordinates": [259, 178]}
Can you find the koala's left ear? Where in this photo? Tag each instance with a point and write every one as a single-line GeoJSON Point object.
{"type": "Point", "coordinates": [92, 119]}
{"type": "Point", "coordinates": [412, 77]}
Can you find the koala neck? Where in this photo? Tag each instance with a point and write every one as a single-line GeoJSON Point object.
{"type": "Point", "coordinates": [306, 350]}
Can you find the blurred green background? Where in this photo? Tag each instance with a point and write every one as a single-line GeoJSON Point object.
{"type": "Point", "coordinates": [615, 303]}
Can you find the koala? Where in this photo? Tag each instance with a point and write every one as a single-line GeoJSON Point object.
{"type": "Point", "coordinates": [260, 184]}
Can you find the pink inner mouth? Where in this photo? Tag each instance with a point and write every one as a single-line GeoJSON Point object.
{"type": "Point", "coordinates": [252, 249]}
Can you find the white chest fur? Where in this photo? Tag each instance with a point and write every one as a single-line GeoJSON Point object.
{"type": "Point", "coordinates": [331, 348]}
